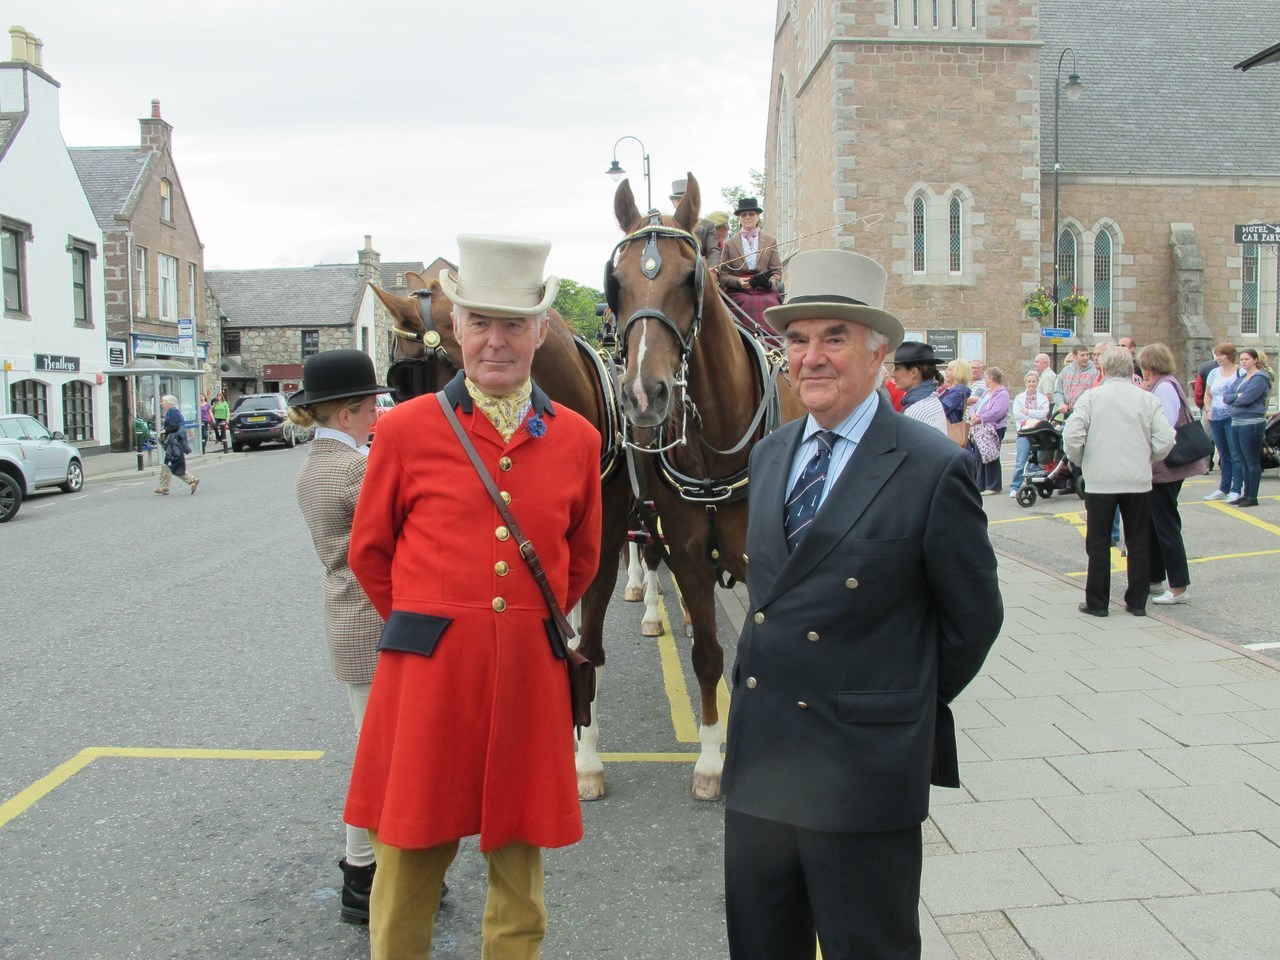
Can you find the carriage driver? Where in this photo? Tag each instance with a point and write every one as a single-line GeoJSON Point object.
{"type": "Point", "coordinates": [468, 727]}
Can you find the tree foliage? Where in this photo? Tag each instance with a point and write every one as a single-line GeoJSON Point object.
{"type": "Point", "coordinates": [732, 195]}
{"type": "Point", "coordinates": [577, 304]}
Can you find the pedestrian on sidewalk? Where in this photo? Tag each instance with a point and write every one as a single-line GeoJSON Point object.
{"type": "Point", "coordinates": [1115, 432]}
{"type": "Point", "coordinates": [1247, 397]}
{"type": "Point", "coordinates": [1030, 404]}
{"type": "Point", "coordinates": [1168, 552]}
{"type": "Point", "coordinates": [338, 398]}
{"type": "Point", "coordinates": [831, 748]}
{"type": "Point", "coordinates": [176, 447]}
{"type": "Point", "coordinates": [1213, 383]}
{"type": "Point", "coordinates": [221, 415]}
{"type": "Point", "coordinates": [206, 421]}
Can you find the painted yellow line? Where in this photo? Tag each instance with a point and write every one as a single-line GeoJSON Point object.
{"type": "Point", "coordinates": [1034, 516]}
{"type": "Point", "coordinates": [649, 757]}
{"type": "Point", "coordinates": [682, 716]}
{"type": "Point", "coordinates": [722, 689]}
{"type": "Point", "coordinates": [65, 771]}
{"type": "Point", "coordinates": [1246, 517]}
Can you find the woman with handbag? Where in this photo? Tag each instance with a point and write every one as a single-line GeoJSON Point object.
{"type": "Point", "coordinates": [1168, 553]}
{"type": "Point", "coordinates": [1247, 398]}
{"type": "Point", "coordinates": [990, 418]}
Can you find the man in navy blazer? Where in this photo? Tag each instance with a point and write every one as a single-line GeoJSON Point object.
{"type": "Point", "coordinates": [873, 602]}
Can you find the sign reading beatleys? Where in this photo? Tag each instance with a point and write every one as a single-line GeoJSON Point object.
{"type": "Point", "coordinates": [57, 364]}
{"type": "Point", "coordinates": [1268, 233]}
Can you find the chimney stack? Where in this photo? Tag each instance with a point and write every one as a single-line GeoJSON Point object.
{"type": "Point", "coordinates": [155, 109]}
{"type": "Point", "coordinates": [155, 132]}
{"type": "Point", "coordinates": [27, 47]}
{"type": "Point", "coordinates": [370, 261]}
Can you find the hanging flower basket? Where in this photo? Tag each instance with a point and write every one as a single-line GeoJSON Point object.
{"type": "Point", "coordinates": [1038, 304]}
{"type": "Point", "coordinates": [1073, 305]}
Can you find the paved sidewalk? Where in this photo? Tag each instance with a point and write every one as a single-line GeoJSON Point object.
{"type": "Point", "coordinates": [122, 466]}
{"type": "Point", "coordinates": [1121, 791]}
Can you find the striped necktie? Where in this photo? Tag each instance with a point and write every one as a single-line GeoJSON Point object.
{"type": "Point", "coordinates": [802, 502]}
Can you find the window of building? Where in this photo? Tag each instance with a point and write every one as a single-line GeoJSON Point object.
{"type": "Point", "coordinates": [935, 14]}
{"type": "Point", "coordinates": [230, 341]}
{"type": "Point", "coordinates": [77, 411]}
{"type": "Point", "coordinates": [915, 13]}
{"type": "Point", "coordinates": [917, 235]}
{"type": "Point", "coordinates": [30, 397]}
{"type": "Point", "coordinates": [973, 13]}
{"type": "Point", "coordinates": [1066, 263]}
{"type": "Point", "coordinates": [14, 235]}
{"type": "Point", "coordinates": [1102, 271]}
{"type": "Point", "coordinates": [1249, 292]}
{"type": "Point", "coordinates": [166, 201]}
{"type": "Point", "coordinates": [168, 287]}
{"type": "Point", "coordinates": [140, 274]}
{"type": "Point", "coordinates": [191, 290]}
{"type": "Point", "coordinates": [310, 343]}
{"type": "Point", "coordinates": [364, 339]}
{"type": "Point", "coordinates": [956, 222]}
{"type": "Point", "coordinates": [82, 252]}
{"type": "Point", "coordinates": [955, 14]}
{"type": "Point", "coordinates": [897, 21]}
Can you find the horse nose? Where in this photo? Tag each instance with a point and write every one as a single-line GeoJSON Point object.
{"type": "Point", "coordinates": [645, 401]}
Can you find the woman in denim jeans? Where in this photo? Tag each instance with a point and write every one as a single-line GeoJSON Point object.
{"type": "Point", "coordinates": [1247, 398]}
{"type": "Point", "coordinates": [1230, 480]}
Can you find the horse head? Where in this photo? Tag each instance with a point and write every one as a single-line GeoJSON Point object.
{"type": "Point", "coordinates": [655, 283]}
{"type": "Point", "coordinates": [425, 354]}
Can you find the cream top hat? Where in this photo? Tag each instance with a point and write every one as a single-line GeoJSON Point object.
{"type": "Point", "coordinates": [501, 276]}
{"type": "Point", "coordinates": [836, 285]}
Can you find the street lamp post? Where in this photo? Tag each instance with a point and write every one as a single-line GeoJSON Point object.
{"type": "Point", "coordinates": [616, 171]}
{"type": "Point", "coordinates": [1074, 88]}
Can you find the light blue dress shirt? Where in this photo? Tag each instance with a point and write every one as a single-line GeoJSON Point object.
{"type": "Point", "coordinates": [851, 430]}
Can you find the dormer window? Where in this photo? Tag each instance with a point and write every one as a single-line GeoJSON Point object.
{"type": "Point", "coordinates": [166, 201]}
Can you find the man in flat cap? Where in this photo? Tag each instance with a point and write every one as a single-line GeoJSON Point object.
{"type": "Point", "coordinates": [468, 729]}
{"type": "Point", "coordinates": [864, 622]}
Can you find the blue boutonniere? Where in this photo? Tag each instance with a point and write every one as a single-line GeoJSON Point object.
{"type": "Point", "coordinates": [536, 426]}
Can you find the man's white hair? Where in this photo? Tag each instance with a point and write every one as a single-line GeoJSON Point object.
{"type": "Point", "coordinates": [875, 340]}
{"type": "Point", "coordinates": [169, 398]}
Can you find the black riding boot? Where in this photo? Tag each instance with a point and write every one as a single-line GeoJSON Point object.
{"type": "Point", "coordinates": [356, 884]}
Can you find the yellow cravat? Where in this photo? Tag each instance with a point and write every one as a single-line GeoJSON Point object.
{"type": "Point", "coordinates": [505, 413]}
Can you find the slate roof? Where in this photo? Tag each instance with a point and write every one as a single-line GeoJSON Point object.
{"type": "Point", "coordinates": [111, 177]}
{"type": "Point", "coordinates": [9, 124]}
{"type": "Point", "coordinates": [1161, 95]}
{"type": "Point", "coordinates": [323, 296]}
{"type": "Point", "coordinates": [390, 271]}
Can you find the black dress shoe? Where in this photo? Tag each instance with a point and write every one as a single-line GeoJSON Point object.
{"type": "Point", "coordinates": [1085, 608]}
{"type": "Point", "coordinates": [1246, 502]}
{"type": "Point", "coordinates": [356, 884]}
{"type": "Point", "coordinates": [1137, 611]}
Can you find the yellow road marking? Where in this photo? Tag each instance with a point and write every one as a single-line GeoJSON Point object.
{"type": "Point", "coordinates": [1220, 556]}
{"type": "Point", "coordinates": [1241, 515]}
{"type": "Point", "coordinates": [65, 771]}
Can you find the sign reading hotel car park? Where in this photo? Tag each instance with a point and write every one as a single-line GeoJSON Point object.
{"type": "Point", "coordinates": [1268, 233]}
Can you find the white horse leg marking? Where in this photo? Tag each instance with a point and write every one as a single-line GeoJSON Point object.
{"type": "Point", "coordinates": [635, 575]}
{"type": "Point", "coordinates": [637, 387]}
{"type": "Point", "coordinates": [651, 623]}
{"type": "Point", "coordinates": [706, 772]}
{"type": "Point", "coordinates": [590, 767]}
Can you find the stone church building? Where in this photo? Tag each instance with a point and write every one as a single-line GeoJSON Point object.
{"type": "Point", "coordinates": [922, 133]}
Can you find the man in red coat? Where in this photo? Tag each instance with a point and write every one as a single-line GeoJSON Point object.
{"type": "Point", "coordinates": [468, 726]}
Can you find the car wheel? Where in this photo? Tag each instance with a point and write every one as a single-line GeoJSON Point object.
{"type": "Point", "coordinates": [237, 446]}
{"type": "Point", "coordinates": [75, 477]}
{"type": "Point", "coordinates": [10, 497]}
{"type": "Point", "coordinates": [289, 440]}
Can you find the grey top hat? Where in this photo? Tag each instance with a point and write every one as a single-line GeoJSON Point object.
{"type": "Point", "coordinates": [501, 276]}
{"type": "Point", "coordinates": [836, 285]}
{"type": "Point", "coordinates": [679, 188]}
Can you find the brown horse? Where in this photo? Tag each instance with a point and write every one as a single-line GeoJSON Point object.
{"type": "Point", "coordinates": [427, 356]}
{"type": "Point", "coordinates": [693, 380]}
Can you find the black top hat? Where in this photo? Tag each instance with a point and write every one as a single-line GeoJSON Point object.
{"type": "Point", "coordinates": [912, 353]}
{"type": "Point", "coordinates": [335, 375]}
{"type": "Point", "coordinates": [746, 204]}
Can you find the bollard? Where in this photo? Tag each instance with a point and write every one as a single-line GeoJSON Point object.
{"type": "Point", "coordinates": [139, 461]}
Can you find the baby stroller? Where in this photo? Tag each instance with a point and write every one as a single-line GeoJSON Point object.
{"type": "Point", "coordinates": [1271, 444]}
{"type": "Point", "coordinates": [1047, 468]}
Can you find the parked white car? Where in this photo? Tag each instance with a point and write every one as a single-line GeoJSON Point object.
{"type": "Point", "coordinates": [44, 458]}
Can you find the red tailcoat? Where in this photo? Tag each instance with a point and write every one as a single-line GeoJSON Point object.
{"type": "Point", "coordinates": [471, 733]}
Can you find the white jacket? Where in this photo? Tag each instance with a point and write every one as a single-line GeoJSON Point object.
{"type": "Point", "coordinates": [1115, 432]}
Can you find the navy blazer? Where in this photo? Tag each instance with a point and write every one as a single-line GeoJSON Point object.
{"type": "Point", "coordinates": [854, 644]}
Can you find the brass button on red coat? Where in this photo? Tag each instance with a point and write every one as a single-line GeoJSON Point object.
{"type": "Point", "coordinates": [504, 463]}
{"type": "Point", "coordinates": [506, 497]}
{"type": "Point", "coordinates": [501, 568]}
{"type": "Point", "coordinates": [499, 604]}
{"type": "Point", "coordinates": [502, 533]}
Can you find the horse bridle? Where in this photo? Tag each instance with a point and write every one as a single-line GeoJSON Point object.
{"type": "Point", "coordinates": [420, 372]}
{"type": "Point", "coordinates": [650, 265]}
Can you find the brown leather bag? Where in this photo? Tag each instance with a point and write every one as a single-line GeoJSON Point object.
{"type": "Point", "coordinates": [582, 672]}
{"type": "Point", "coordinates": [959, 432]}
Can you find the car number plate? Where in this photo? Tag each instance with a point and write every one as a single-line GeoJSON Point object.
{"type": "Point", "coordinates": [255, 419]}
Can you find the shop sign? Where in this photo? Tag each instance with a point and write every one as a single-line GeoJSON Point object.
{"type": "Point", "coordinates": [945, 344]}
{"type": "Point", "coordinates": [1268, 233]}
{"type": "Point", "coordinates": [116, 353]}
{"type": "Point", "coordinates": [57, 364]}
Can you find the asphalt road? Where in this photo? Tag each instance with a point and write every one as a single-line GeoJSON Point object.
{"type": "Point", "coordinates": [1233, 554]}
{"type": "Point", "coordinates": [186, 623]}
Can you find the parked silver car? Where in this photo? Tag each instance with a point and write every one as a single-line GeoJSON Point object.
{"type": "Point", "coordinates": [44, 458]}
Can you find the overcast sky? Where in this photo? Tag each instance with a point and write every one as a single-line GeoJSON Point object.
{"type": "Point", "coordinates": [299, 127]}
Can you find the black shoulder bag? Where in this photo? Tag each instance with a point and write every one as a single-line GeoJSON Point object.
{"type": "Point", "coordinates": [582, 672]}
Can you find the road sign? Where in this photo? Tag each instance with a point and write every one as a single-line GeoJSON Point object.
{"type": "Point", "coordinates": [1054, 332]}
{"type": "Point", "coordinates": [186, 336]}
{"type": "Point", "coordinates": [1268, 233]}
